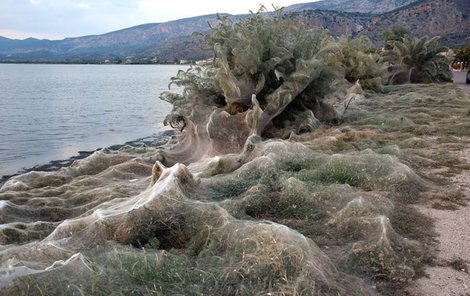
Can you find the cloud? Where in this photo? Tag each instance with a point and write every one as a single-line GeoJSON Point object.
{"type": "Point", "coordinates": [33, 2]}
{"type": "Point", "coordinates": [84, 5]}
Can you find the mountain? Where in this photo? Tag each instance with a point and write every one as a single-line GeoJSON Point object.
{"type": "Point", "coordinates": [113, 45]}
{"type": "Point", "coordinates": [449, 19]}
{"type": "Point", "coordinates": [338, 23]}
{"type": "Point", "coordinates": [176, 49]}
{"type": "Point", "coordinates": [172, 41]}
{"type": "Point", "coordinates": [364, 6]}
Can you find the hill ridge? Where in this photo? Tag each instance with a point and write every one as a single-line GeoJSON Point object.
{"type": "Point", "coordinates": [172, 41]}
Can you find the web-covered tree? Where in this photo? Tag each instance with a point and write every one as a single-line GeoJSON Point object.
{"type": "Point", "coordinates": [394, 34]}
{"type": "Point", "coordinates": [417, 60]}
{"type": "Point", "coordinates": [269, 77]}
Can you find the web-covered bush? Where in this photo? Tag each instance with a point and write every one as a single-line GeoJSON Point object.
{"type": "Point", "coordinates": [362, 63]}
{"type": "Point", "coordinates": [269, 77]}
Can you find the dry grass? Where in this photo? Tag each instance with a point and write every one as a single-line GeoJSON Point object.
{"type": "Point", "coordinates": [255, 229]}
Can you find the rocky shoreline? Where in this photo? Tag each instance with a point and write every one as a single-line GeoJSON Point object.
{"type": "Point", "coordinates": [155, 140]}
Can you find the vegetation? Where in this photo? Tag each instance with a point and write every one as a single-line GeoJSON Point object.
{"type": "Point", "coordinates": [277, 60]}
{"type": "Point", "coordinates": [338, 201]}
{"type": "Point", "coordinates": [362, 63]}
{"type": "Point", "coordinates": [273, 76]}
{"type": "Point", "coordinates": [462, 55]}
{"type": "Point", "coordinates": [394, 34]}
{"type": "Point", "coordinates": [417, 60]}
{"type": "Point", "coordinates": [270, 77]}
{"type": "Point", "coordinates": [325, 213]}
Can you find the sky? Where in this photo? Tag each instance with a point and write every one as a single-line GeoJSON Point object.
{"type": "Point", "coordinates": [57, 19]}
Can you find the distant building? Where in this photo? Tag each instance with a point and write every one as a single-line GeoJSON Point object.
{"type": "Point", "coordinates": [204, 62]}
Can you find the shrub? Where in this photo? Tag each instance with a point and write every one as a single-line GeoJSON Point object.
{"type": "Point", "coordinates": [360, 62]}
{"type": "Point", "coordinates": [269, 77]}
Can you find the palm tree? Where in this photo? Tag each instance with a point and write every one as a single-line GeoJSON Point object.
{"type": "Point", "coordinates": [417, 60]}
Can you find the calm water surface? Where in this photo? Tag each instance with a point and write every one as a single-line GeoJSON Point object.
{"type": "Point", "coordinates": [49, 112]}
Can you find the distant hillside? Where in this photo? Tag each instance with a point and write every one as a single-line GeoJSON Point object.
{"type": "Point", "coordinates": [114, 45]}
{"type": "Point", "coordinates": [449, 19]}
{"type": "Point", "coordinates": [365, 6]}
{"type": "Point", "coordinates": [338, 23]}
{"type": "Point", "coordinates": [172, 41]}
{"type": "Point", "coordinates": [176, 49]}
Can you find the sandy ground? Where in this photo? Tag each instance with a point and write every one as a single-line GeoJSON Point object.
{"type": "Point", "coordinates": [459, 79]}
{"type": "Point", "coordinates": [453, 229]}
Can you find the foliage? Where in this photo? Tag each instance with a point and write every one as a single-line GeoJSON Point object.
{"type": "Point", "coordinates": [205, 231]}
{"type": "Point", "coordinates": [417, 60]}
{"type": "Point", "coordinates": [273, 67]}
{"type": "Point", "coordinates": [462, 54]}
{"type": "Point", "coordinates": [394, 34]}
{"type": "Point", "coordinates": [269, 76]}
{"type": "Point", "coordinates": [361, 63]}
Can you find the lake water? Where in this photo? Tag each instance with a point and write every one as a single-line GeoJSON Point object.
{"type": "Point", "coordinates": [50, 112]}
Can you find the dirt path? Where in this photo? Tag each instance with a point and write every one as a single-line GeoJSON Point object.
{"type": "Point", "coordinates": [450, 275]}
{"type": "Point", "coordinates": [459, 80]}
{"type": "Point", "coordinates": [453, 228]}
